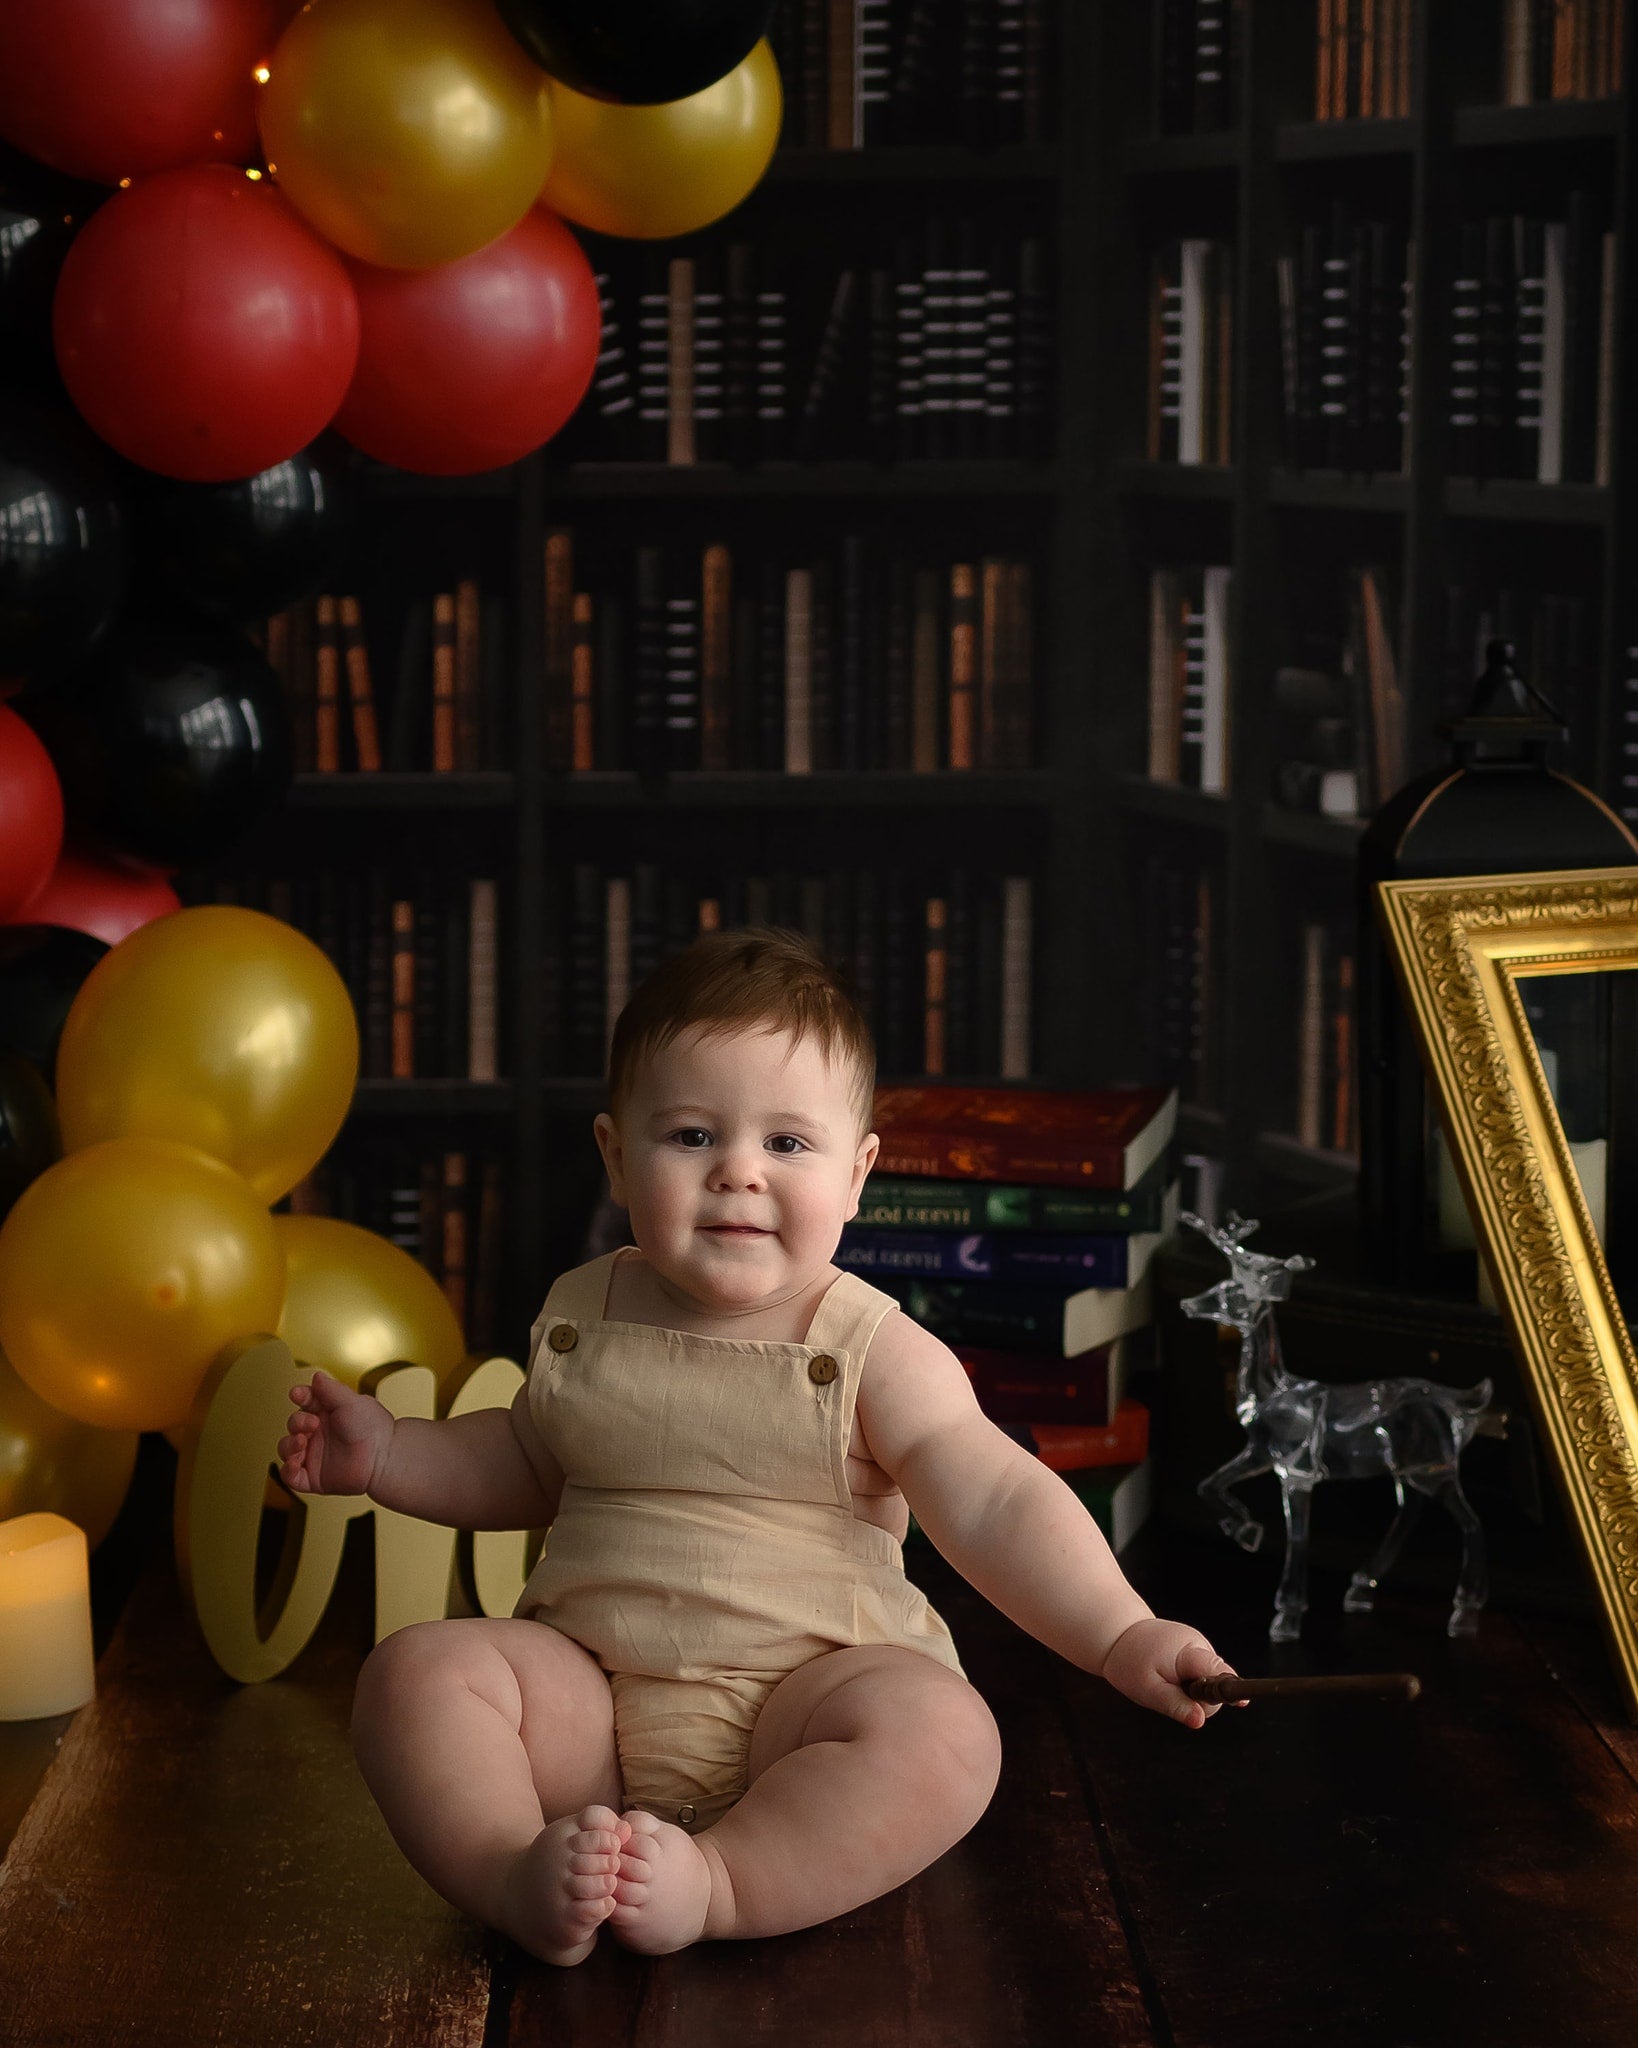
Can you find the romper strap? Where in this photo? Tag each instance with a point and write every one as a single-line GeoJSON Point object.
{"type": "Point", "coordinates": [847, 1316]}
{"type": "Point", "coordinates": [582, 1292]}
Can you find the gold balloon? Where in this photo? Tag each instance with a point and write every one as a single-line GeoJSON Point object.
{"type": "Point", "coordinates": [408, 132]}
{"type": "Point", "coordinates": [124, 1269]}
{"type": "Point", "coordinates": [353, 1302]}
{"type": "Point", "coordinates": [50, 1464]}
{"type": "Point", "coordinates": [219, 1028]}
{"type": "Point", "coordinates": [668, 169]}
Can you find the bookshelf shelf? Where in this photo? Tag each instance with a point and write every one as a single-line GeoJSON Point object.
{"type": "Point", "coordinates": [1510, 498]}
{"type": "Point", "coordinates": [1312, 832]}
{"type": "Point", "coordinates": [836, 788]}
{"type": "Point", "coordinates": [433, 1098]}
{"type": "Point", "coordinates": [471, 790]}
{"type": "Point", "coordinates": [1328, 489]}
{"type": "Point", "coordinates": [623, 482]}
{"type": "Point", "coordinates": [1173, 804]}
{"type": "Point", "coordinates": [1176, 480]}
{"type": "Point", "coordinates": [1170, 156]}
{"type": "Point", "coordinates": [916, 164]}
{"type": "Point", "coordinates": [1547, 121]}
{"type": "Point", "coordinates": [1290, 1158]}
{"type": "Point", "coordinates": [1301, 142]}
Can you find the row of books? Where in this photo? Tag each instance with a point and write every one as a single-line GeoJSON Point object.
{"type": "Point", "coordinates": [1627, 741]}
{"type": "Point", "coordinates": [926, 341]}
{"type": "Point", "coordinates": [445, 710]}
{"type": "Point", "coordinates": [1561, 50]}
{"type": "Point", "coordinates": [1189, 676]}
{"type": "Point", "coordinates": [1362, 59]}
{"type": "Point", "coordinates": [1019, 1226]}
{"type": "Point", "coordinates": [1191, 351]}
{"type": "Point", "coordinates": [862, 72]}
{"type": "Point", "coordinates": [1532, 346]}
{"type": "Point", "coordinates": [682, 658]}
{"type": "Point", "coordinates": [445, 1208]}
{"type": "Point", "coordinates": [419, 953]}
{"type": "Point", "coordinates": [1198, 54]}
{"type": "Point", "coordinates": [1345, 343]}
{"type": "Point", "coordinates": [942, 972]}
{"type": "Point", "coordinates": [1339, 716]}
{"type": "Point", "coordinates": [1327, 1102]}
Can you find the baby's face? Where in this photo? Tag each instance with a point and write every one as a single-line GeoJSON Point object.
{"type": "Point", "coordinates": [739, 1158]}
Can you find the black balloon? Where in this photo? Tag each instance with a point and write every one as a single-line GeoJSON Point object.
{"type": "Point", "coordinates": [172, 742]}
{"type": "Point", "coordinates": [639, 51]}
{"type": "Point", "coordinates": [41, 969]}
{"type": "Point", "coordinates": [63, 546]}
{"type": "Point", "coordinates": [41, 212]}
{"type": "Point", "coordinates": [29, 1138]}
{"type": "Point", "coordinates": [248, 548]}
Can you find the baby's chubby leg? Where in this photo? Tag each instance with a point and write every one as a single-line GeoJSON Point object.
{"type": "Point", "coordinates": [866, 1765]}
{"type": "Point", "coordinates": [489, 1747]}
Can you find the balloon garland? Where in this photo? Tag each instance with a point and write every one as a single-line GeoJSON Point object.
{"type": "Point", "coordinates": [243, 242]}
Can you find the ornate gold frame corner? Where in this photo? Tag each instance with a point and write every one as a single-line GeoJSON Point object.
{"type": "Point", "coordinates": [1460, 949]}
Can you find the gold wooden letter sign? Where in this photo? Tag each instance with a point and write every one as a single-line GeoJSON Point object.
{"type": "Point", "coordinates": [227, 1450]}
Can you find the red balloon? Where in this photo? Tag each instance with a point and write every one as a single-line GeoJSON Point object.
{"type": "Point", "coordinates": [112, 89]}
{"type": "Point", "coordinates": [472, 364]}
{"type": "Point", "coordinates": [31, 816]}
{"type": "Point", "coordinates": [201, 327]}
{"type": "Point", "coordinates": [90, 893]}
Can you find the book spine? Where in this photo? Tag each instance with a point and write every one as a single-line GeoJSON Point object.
{"type": "Point", "coordinates": [483, 980]}
{"type": "Point", "coordinates": [1070, 1261]}
{"type": "Point", "coordinates": [327, 690]}
{"type": "Point", "coordinates": [582, 686]}
{"type": "Point", "coordinates": [716, 648]}
{"type": "Point", "coordinates": [403, 990]}
{"type": "Point", "coordinates": [360, 696]}
{"type": "Point", "coordinates": [469, 751]}
{"type": "Point", "coordinates": [679, 446]}
{"type": "Point", "coordinates": [443, 682]}
{"type": "Point", "coordinates": [557, 651]}
{"type": "Point", "coordinates": [894, 1202]}
{"type": "Point", "coordinates": [1071, 1392]}
{"type": "Point", "coordinates": [798, 673]}
{"type": "Point", "coordinates": [962, 717]}
{"type": "Point", "coordinates": [934, 1010]}
{"type": "Point", "coordinates": [1017, 976]}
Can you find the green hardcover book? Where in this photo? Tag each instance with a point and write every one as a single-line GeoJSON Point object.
{"type": "Point", "coordinates": [898, 1202]}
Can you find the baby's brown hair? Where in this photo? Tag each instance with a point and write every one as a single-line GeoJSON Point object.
{"type": "Point", "coordinates": [757, 977]}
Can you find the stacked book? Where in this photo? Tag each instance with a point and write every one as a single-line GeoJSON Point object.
{"type": "Point", "coordinates": [1019, 1226]}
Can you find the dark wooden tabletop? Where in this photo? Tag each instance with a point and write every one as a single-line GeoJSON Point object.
{"type": "Point", "coordinates": [196, 1862]}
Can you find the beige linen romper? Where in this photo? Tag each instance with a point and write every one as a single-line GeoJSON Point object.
{"type": "Point", "coordinates": [706, 1543]}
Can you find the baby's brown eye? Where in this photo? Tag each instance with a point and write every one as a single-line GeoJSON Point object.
{"type": "Point", "coordinates": [787, 1140]}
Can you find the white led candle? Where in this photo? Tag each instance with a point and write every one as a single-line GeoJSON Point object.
{"type": "Point", "coordinates": [46, 1664]}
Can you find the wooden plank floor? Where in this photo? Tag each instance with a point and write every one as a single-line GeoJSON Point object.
{"type": "Point", "coordinates": [199, 1863]}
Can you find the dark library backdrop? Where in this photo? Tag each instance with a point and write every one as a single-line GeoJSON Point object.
{"type": "Point", "coordinates": [1090, 393]}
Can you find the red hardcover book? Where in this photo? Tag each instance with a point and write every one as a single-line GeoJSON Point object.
{"type": "Point", "coordinates": [1083, 1391]}
{"type": "Point", "coordinates": [1097, 1138]}
{"type": "Point", "coordinates": [1073, 1447]}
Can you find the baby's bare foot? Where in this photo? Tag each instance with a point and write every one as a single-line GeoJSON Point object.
{"type": "Point", "coordinates": [563, 1885]}
{"type": "Point", "coordinates": [663, 1891]}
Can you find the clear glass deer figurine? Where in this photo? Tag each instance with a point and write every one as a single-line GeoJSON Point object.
{"type": "Point", "coordinates": [1305, 1431]}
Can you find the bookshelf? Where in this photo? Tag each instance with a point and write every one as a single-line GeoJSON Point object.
{"type": "Point", "coordinates": [1115, 857]}
{"type": "Point", "coordinates": [1293, 522]}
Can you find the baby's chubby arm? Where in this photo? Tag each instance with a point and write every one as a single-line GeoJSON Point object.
{"type": "Point", "coordinates": [465, 1472]}
{"type": "Point", "coordinates": [1013, 1529]}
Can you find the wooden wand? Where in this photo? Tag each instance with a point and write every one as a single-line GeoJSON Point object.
{"type": "Point", "coordinates": [1403, 1685]}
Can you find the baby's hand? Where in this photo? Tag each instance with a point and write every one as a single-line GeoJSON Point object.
{"type": "Point", "coordinates": [1149, 1661]}
{"type": "Point", "coordinates": [337, 1438]}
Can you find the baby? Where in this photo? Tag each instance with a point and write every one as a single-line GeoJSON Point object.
{"type": "Point", "coordinates": [719, 1709]}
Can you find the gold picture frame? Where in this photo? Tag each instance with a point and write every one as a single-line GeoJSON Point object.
{"type": "Point", "coordinates": [1460, 949]}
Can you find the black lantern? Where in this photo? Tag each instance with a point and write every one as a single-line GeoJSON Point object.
{"type": "Point", "coordinates": [1495, 807]}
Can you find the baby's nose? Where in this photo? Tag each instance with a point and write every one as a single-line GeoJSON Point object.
{"type": "Point", "coordinates": [738, 1170]}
